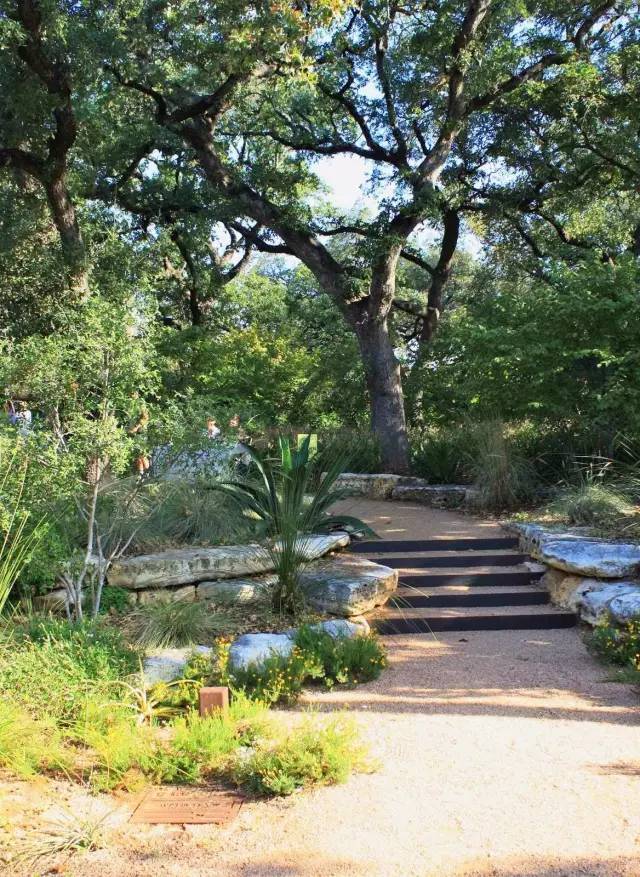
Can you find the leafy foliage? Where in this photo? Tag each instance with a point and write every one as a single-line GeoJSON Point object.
{"type": "Point", "coordinates": [316, 657]}
{"type": "Point", "coordinates": [619, 645]}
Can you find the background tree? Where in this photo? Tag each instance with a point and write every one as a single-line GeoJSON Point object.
{"type": "Point", "coordinates": [412, 93]}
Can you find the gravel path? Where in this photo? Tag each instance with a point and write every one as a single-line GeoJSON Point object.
{"type": "Point", "coordinates": [502, 753]}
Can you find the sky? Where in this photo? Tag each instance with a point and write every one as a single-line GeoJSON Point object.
{"type": "Point", "coordinates": [346, 176]}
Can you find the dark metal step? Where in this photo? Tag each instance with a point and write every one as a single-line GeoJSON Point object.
{"type": "Point", "coordinates": [453, 560]}
{"type": "Point", "coordinates": [549, 621]}
{"type": "Point", "coordinates": [478, 579]}
{"type": "Point", "coordinates": [505, 598]}
{"type": "Point", "coordinates": [481, 544]}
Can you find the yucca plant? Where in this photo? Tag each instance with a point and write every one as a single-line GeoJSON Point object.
{"type": "Point", "coordinates": [291, 497]}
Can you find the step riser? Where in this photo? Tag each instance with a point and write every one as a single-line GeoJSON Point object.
{"type": "Point", "coordinates": [460, 560]}
{"type": "Point", "coordinates": [391, 545]}
{"type": "Point", "coordinates": [472, 580]}
{"type": "Point", "coordinates": [396, 627]}
{"type": "Point", "coordinates": [445, 601]}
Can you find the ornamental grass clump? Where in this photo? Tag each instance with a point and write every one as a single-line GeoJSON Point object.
{"type": "Point", "coordinates": [166, 623]}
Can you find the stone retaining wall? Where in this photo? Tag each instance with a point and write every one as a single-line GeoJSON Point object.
{"type": "Point", "coordinates": [404, 488]}
{"type": "Point", "coordinates": [597, 578]}
{"type": "Point", "coordinates": [342, 585]}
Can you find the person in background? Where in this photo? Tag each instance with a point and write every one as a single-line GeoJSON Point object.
{"type": "Point", "coordinates": [234, 422]}
{"type": "Point", "coordinates": [22, 419]}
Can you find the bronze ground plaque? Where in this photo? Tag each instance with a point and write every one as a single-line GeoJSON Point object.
{"type": "Point", "coordinates": [176, 804]}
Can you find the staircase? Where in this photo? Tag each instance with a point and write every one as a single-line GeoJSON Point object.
{"type": "Point", "coordinates": [462, 585]}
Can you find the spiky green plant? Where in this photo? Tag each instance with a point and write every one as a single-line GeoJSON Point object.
{"type": "Point", "coordinates": [281, 494]}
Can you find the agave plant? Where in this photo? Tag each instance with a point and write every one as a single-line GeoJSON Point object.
{"type": "Point", "coordinates": [291, 497]}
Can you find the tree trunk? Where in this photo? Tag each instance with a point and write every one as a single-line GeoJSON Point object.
{"type": "Point", "coordinates": [384, 383]}
{"type": "Point", "coordinates": [73, 248]}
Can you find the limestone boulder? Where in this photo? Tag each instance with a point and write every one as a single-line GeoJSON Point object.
{"type": "Point", "coordinates": [592, 601]}
{"type": "Point", "coordinates": [584, 557]}
{"type": "Point", "coordinates": [372, 486]}
{"type": "Point", "coordinates": [348, 585]}
{"type": "Point", "coordinates": [186, 593]}
{"type": "Point", "coordinates": [188, 565]}
{"type": "Point", "coordinates": [440, 496]}
{"type": "Point", "coordinates": [255, 648]}
{"type": "Point", "coordinates": [562, 587]}
{"type": "Point", "coordinates": [235, 591]}
{"type": "Point", "coordinates": [166, 665]}
{"type": "Point", "coordinates": [626, 605]}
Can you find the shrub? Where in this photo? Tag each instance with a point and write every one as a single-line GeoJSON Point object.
{"type": "Point", "coordinates": [188, 511]}
{"type": "Point", "coordinates": [341, 660]}
{"type": "Point", "coordinates": [53, 667]}
{"type": "Point", "coordinates": [29, 745]}
{"type": "Point", "coordinates": [115, 599]}
{"type": "Point", "coordinates": [619, 645]}
{"type": "Point", "coordinates": [307, 756]}
{"type": "Point", "coordinates": [318, 657]}
{"type": "Point", "coordinates": [439, 454]}
{"type": "Point", "coordinates": [593, 504]}
{"type": "Point", "coordinates": [360, 449]}
{"type": "Point", "coordinates": [165, 623]}
{"type": "Point", "coordinates": [282, 496]}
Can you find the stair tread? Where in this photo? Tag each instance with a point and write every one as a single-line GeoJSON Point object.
{"type": "Point", "coordinates": [452, 543]}
{"type": "Point", "coordinates": [454, 564]}
{"type": "Point", "coordinates": [420, 590]}
{"type": "Point", "coordinates": [441, 552]}
{"type": "Point", "coordinates": [462, 612]}
{"type": "Point", "coordinates": [474, 622]}
{"type": "Point", "coordinates": [476, 578]}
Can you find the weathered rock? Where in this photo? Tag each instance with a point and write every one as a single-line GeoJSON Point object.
{"type": "Point", "coordinates": [255, 648]}
{"type": "Point", "coordinates": [441, 496]}
{"type": "Point", "coordinates": [562, 587]}
{"type": "Point", "coordinates": [341, 628]}
{"type": "Point", "coordinates": [235, 590]}
{"type": "Point", "coordinates": [593, 598]}
{"type": "Point", "coordinates": [626, 606]}
{"type": "Point", "coordinates": [373, 486]}
{"type": "Point", "coordinates": [188, 565]}
{"type": "Point", "coordinates": [166, 665]}
{"type": "Point", "coordinates": [186, 593]}
{"type": "Point", "coordinates": [607, 560]}
{"type": "Point", "coordinates": [52, 601]}
{"type": "Point", "coordinates": [348, 585]}
{"type": "Point", "coordinates": [338, 628]}
{"type": "Point", "coordinates": [532, 536]}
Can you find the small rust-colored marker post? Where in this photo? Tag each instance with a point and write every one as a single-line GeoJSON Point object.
{"type": "Point", "coordinates": [214, 699]}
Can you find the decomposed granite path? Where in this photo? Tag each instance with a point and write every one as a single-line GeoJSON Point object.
{"type": "Point", "coordinates": [501, 753]}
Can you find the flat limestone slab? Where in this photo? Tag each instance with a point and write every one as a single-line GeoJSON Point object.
{"type": "Point", "coordinates": [348, 585]}
{"type": "Point", "coordinates": [575, 550]}
{"type": "Point", "coordinates": [606, 560]}
{"type": "Point", "coordinates": [184, 566]}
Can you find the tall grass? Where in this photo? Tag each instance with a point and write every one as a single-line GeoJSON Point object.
{"type": "Point", "coordinates": [504, 479]}
{"type": "Point", "coordinates": [17, 540]}
{"type": "Point", "coordinates": [167, 623]}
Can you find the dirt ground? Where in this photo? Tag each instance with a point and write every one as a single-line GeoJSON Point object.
{"type": "Point", "coordinates": [501, 753]}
